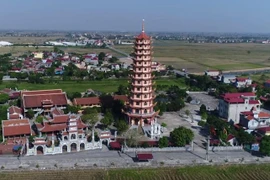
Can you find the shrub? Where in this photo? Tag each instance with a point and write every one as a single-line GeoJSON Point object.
{"type": "Point", "coordinates": [202, 123]}
{"type": "Point", "coordinates": [163, 124]}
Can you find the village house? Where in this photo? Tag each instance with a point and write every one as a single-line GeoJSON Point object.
{"type": "Point", "coordinates": [156, 66]}
{"type": "Point", "coordinates": [212, 73]}
{"type": "Point", "coordinates": [267, 84]}
{"type": "Point", "coordinates": [254, 119]}
{"type": "Point", "coordinates": [41, 101]}
{"type": "Point", "coordinates": [38, 55]}
{"type": "Point", "coordinates": [232, 104]}
{"type": "Point", "coordinates": [227, 78]}
{"type": "Point", "coordinates": [241, 82]}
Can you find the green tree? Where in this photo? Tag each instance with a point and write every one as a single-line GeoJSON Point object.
{"type": "Point", "coordinates": [181, 136]}
{"type": "Point", "coordinates": [4, 98]}
{"type": "Point", "coordinates": [72, 109]}
{"type": "Point", "coordinates": [101, 56]}
{"type": "Point", "coordinates": [113, 59]}
{"type": "Point", "coordinates": [244, 137]}
{"type": "Point", "coordinates": [39, 119]}
{"type": "Point", "coordinates": [187, 112]}
{"type": "Point", "coordinates": [30, 114]}
{"type": "Point", "coordinates": [265, 145]}
{"type": "Point", "coordinates": [163, 142]}
{"type": "Point", "coordinates": [122, 90]}
{"type": "Point", "coordinates": [3, 113]}
{"type": "Point", "coordinates": [203, 109]}
{"type": "Point", "coordinates": [121, 126]}
{"type": "Point", "coordinates": [204, 116]}
{"type": "Point", "coordinates": [91, 118]}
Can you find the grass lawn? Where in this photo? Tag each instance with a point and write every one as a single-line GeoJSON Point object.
{"type": "Point", "coordinates": [231, 172]}
{"type": "Point", "coordinates": [106, 86]}
{"type": "Point", "coordinates": [237, 66]}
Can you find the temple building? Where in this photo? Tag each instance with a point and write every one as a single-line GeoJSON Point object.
{"type": "Point", "coordinates": [141, 100]}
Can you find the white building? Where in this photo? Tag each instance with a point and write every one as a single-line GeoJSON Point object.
{"type": "Point", "coordinates": [254, 119]}
{"type": "Point", "coordinates": [212, 73]}
{"type": "Point", "coordinates": [227, 78]}
{"type": "Point", "coordinates": [241, 82]}
{"type": "Point", "coordinates": [5, 43]}
{"type": "Point", "coordinates": [232, 104]}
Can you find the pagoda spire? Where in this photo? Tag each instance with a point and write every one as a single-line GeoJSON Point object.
{"type": "Point", "coordinates": [143, 25]}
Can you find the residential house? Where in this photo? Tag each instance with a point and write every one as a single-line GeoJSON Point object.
{"type": "Point", "coordinates": [227, 78]}
{"type": "Point", "coordinates": [254, 119]}
{"type": "Point", "coordinates": [115, 67]}
{"type": "Point", "coordinates": [232, 104]}
{"type": "Point", "coordinates": [241, 82]}
{"type": "Point", "coordinates": [212, 73]}
{"type": "Point", "coordinates": [267, 84]}
{"type": "Point", "coordinates": [38, 55]}
{"type": "Point", "coordinates": [58, 71]}
{"type": "Point", "coordinates": [156, 66]}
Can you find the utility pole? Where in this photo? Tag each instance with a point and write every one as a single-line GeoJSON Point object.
{"type": "Point", "coordinates": [207, 147]}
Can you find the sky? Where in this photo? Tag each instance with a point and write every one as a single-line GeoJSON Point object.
{"type": "Point", "coordinates": [126, 15]}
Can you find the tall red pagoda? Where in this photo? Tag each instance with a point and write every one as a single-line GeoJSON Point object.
{"type": "Point", "coordinates": [141, 100]}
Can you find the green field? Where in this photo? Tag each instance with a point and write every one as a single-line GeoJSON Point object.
{"type": "Point", "coordinates": [106, 86]}
{"type": "Point", "coordinates": [199, 57]}
{"type": "Point", "coordinates": [230, 172]}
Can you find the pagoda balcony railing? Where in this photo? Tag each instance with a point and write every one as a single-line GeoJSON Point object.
{"type": "Point", "coordinates": [141, 91]}
{"type": "Point", "coordinates": [147, 65]}
{"type": "Point", "coordinates": [142, 84]}
{"type": "Point", "coordinates": [142, 78]}
{"type": "Point", "coordinates": [143, 47]}
{"type": "Point", "coordinates": [142, 114]}
{"type": "Point", "coordinates": [148, 58]}
{"type": "Point", "coordinates": [142, 106]}
{"type": "Point", "coordinates": [142, 99]}
{"type": "Point", "coordinates": [143, 42]}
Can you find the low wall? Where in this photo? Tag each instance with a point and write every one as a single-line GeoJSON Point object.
{"type": "Point", "coordinates": [225, 148]}
{"type": "Point", "coordinates": [156, 149]}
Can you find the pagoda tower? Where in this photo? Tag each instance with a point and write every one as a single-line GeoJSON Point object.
{"type": "Point", "coordinates": [141, 100]}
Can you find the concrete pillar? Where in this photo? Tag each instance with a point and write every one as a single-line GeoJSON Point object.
{"type": "Point", "coordinates": [152, 131]}
{"type": "Point", "coordinates": [155, 128]}
{"type": "Point", "coordinates": [115, 135]}
{"type": "Point", "coordinates": [53, 142]}
{"type": "Point", "coordinates": [93, 136]}
{"type": "Point", "coordinates": [159, 129]}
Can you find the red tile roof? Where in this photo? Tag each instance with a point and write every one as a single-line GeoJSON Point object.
{"type": "Point", "coordinates": [57, 111]}
{"type": "Point", "coordinates": [14, 116]}
{"type": "Point", "coordinates": [254, 102]}
{"type": "Point", "coordinates": [121, 97]}
{"type": "Point", "coordinates": [237, 97]}
{"type": "Point", "coordinates": [38, 98]}
{"type": "Point", "coordinates": [230, 136]}
{"type": "Point", "coordinates": [241, 79]}
{"type": "Point", "coordinates": [16, 127]}
{"type": "Point", "coordinates": [80, 124]}
{"type": "Point", "coordinates": [264, 115]}
{"type": "Point", "coordinates": [86, 101]}
{"type": "Point", "coordinates": [96, 100]}
{"type": "Point", "coordinates": [60, 119]}
{"type": "Point", "coordinates": [53, 127]}
{"type": "Point", "coordinates": [264, 129]}
{"type": "Point", "coordinates": [14, 110]}
{"type": "Point", "coordinates": [143, 35]}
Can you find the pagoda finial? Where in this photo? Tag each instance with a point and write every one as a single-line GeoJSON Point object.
{"type": "Point", "coordinates": [143, 25]}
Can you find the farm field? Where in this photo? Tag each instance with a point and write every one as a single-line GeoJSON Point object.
{"type": "Point", "coordinates": [106, 86]}
{"type": "Point", "coordinates": [232, 172]}
{"type": "Point", "coordinates": [199, 57]}
{"type": "Point", "coordinates": [31, 40]}
{"type": "Point", "coordinates": [20, 50]}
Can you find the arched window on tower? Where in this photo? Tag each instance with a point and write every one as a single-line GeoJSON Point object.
{"type": "Point", "coordinates": [137, 111]}
{"type": "Point", "coordinates": [145, 111]}
{"type": "Point", "coordinates": [145, 82]}
{"type": "Point", "coordinates": [145, 96]}
{"type": "Point", "coordinates": [145, 89]}
{"type": "Point", "coordinates": [145, 103]}
{"type": "Point", "coordinates": [138, 96]}
{"type": "Point", "coordinates": [137, 103]}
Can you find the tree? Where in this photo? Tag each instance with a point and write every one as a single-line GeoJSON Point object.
{"type": "Point", "coordinates": [30, 114]}
{"type": "Point", "coordinates": [3, 112]}
{"type": "Point", "coordinates": [91, 118]}
{"type": "Point", "coordinates": [113, 59]}
{"type": "Point", "coordinates": [121, 126]}
{"type": "Point", "coordinates": [265, 145]}
{"type": "Point", "coordinates": [202, 109]}
{"type": "Point", "coordinates": [187, 112]}
{"type": "Point", "coordinates": [163, 142]}
{"type": "Point", "coordinates": [72, 109]}
{"type": "Point", "coordinates": [204, 116]}
{"type": "Point", "coordinates": [181, 136]}
{"type": "Point", "coordinates": [189, 99]}
{"type": "Point", "coordinates": [4, 98]}
{"type": "Point", "coordinates": [122, 90]}
{"type": "Point", "coordinates": [39, 119]}
{"type": "Point", "coordinates": [101, 56]}
{"type": "Point", "coordinates": [244, 137]}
